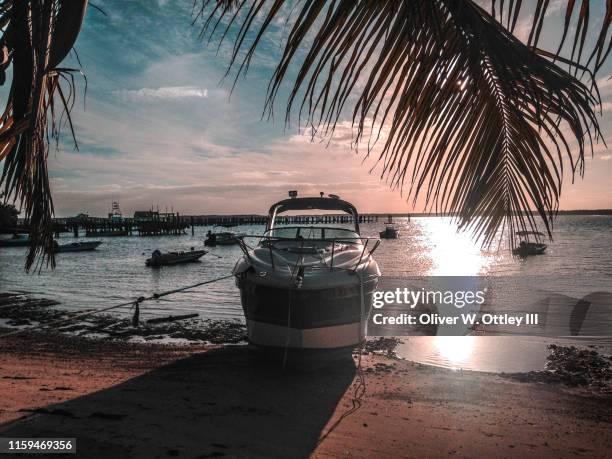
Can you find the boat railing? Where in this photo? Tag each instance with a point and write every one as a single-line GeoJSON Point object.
{"type": "Point", "coordinates": [267, 240]}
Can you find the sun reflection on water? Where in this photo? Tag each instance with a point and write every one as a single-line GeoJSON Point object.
{"type": "Point", "coordinates": [453, 253]}
{"type": "Point", "coordinates": [454, 349]}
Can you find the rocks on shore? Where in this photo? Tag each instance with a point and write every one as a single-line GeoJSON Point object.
{"type": "Point", "coordinates": [573, 367]}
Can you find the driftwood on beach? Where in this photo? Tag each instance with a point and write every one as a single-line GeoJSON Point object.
{"type": "Point", "coordinates": [159, 320]}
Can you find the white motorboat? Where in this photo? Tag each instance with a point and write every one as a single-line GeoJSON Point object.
{"type": "Point", "coordinates": [308, 287]}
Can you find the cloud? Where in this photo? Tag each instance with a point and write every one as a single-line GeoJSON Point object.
{"type": "Point", "coordinates": [604, 83]}
{"type": "Point", "coordinates": [606, 157]}
{"type": "Point", "coordinates": [164, 93]}
{"type": "Point", "coordinates": [606, 106]}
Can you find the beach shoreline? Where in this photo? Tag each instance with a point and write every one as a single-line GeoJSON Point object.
{"type": "Point", "coordinates": [116, 398]}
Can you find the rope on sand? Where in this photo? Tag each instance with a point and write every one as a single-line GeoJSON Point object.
{"type": "Point", "coordinates": [135, 304]}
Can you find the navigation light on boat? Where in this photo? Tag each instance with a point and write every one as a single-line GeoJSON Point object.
{"type": "Point", "coordinates": [293, 194]}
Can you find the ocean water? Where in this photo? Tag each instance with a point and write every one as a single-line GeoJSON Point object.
{"type": "Point", "coordinates": [577, 263]}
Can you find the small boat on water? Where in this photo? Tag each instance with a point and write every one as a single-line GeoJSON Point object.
{"type": "Point", "coordinates": [221, 238]}
{"type": "Point", "coordinates": [18, 240]}
{"type": "Point", "coordinates": [526, 247]}
{"type": "Point", "coordinates": [77, 246]}
{"type": "Point", "coordinates": [307, 288]}
{"type": "Point", "coordinates": [390, 232]}
{"type": "Point", "coordinates": [174, 258]}
{"type": "Point", "coordinates": [120, 233]}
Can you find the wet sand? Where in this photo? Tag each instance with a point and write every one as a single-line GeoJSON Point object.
{"type": "Point", "coordinates": [137, 400]}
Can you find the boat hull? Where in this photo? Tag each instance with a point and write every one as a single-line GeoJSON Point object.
{"type": "Point", "coordinates": [389, 234]}
{"type": "Point", "coordinates": [175, 259]}
{"type": "Point", "coordinates": [530, 249]}
{"type": "Point", "coordinates": [78, 247]}
{"type": "Point", "coordinates": [330, 318]}
{"type": "Point", "coordinates": [14, 242]}
{"type": "Point", "coordinates": [225, 242]}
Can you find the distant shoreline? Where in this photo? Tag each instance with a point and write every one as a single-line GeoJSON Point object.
{"type": "Point", "coordinates": [593, 212]}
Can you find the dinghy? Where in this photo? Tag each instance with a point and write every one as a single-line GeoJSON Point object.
{"type": "Point", "coordinates": [390, 232]}
{"type": "Point", "coordinates": [77, 246]}
{"type": "Point", "coordinates": [526, 247]}
{"type": "Point", "coordinates": [18, 240]}
{"type": "Point", "coordinates": [221, 238]}
{"type": "Point", "coordinates": [174, 258]}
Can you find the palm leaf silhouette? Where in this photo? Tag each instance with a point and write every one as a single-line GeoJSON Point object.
{"type": "Point", "coordinates": [475, 121]}
{"type": "Point", "coordinates": [37, 36]}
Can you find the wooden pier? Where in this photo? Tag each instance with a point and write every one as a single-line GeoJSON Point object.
{"type": "Point", "coordinates": [177, 225]}
{"type": "Point", "coordinates": [104, 227]}
{"type": "Point", "coordinates": [241, 220]}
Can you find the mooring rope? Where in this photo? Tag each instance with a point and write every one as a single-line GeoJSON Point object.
{"type": "Point", "coordinates": [135, 304]}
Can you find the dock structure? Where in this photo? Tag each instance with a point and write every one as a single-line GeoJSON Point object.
{"type": "Point", "coordinates": [108, 227]}
{"type": "Point", "coordinates": [154, 224]}
{"type": "Point", "coordinates": [162, 228]}
{"type": "Point", "coordinates": [105, 228]}
{"type": "Point", "coordinates": [240, 220]}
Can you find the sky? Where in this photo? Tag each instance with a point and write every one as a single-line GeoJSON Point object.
{"type": "Point", "coordinates": [157, 127]}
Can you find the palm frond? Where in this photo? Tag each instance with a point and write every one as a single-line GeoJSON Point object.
{"type": "Point", "coordinates": [576, 22]}
{"type": "Point", "coordinates": [477, 122]}
{"type": "Point", "coordinates": [37, 36]}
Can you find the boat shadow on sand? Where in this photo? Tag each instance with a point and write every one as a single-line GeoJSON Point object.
{"type": "Point", "coordinates": [224, 402]}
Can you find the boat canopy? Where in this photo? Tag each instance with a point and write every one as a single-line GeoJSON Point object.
{"type": "Point", "coordinates": [313, 203]}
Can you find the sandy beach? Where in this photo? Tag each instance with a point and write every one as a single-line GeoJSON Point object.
{"type": "Point", "coordinates": [149, 400]}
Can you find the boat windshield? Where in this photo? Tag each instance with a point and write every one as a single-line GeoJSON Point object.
{"type": "Point", "coordinates": [313, 233]}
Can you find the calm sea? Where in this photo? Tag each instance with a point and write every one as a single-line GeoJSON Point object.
{"type": "Point", "coordinates": [577, 263]}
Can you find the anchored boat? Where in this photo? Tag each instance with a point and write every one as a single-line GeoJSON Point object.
{"type": "Point", "coordinates": [221, 238]}
{"type": "Point", "coordinates": [390, 232]}
{"type": "Point", "coordinates": [18, 240]}
{"type": "Point", "coordinates": [77, 246]}
{"type": "Point", "coordinates": [526, 247]}
{"type": "Point", "coordinates": [174, 258]}
{"type": "Point", "coordinates": [308, 287]}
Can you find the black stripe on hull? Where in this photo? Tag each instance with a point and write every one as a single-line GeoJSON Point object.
{"type": "Point", "coordinates": [310, 308]}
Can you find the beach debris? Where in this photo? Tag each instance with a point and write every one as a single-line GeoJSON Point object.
{"type": "Point", "coordinates": [382, 346]}
{"type": "Point", "coordinates": [136, 316]}
{"type": "Point", "coordinates": [380, 367]}
{"type": "Point", "coordinates": [18, 307]}
{"type": "Point", "coordinates": [159, 320]}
